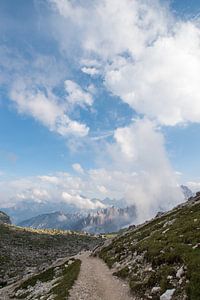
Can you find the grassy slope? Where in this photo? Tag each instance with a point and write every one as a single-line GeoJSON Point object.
{"type": "Point", "coordinates": [150, 256]}
{"type": "Point", "coordinates": [63, 282]}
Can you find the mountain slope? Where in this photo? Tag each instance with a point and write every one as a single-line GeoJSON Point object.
{"type": "Point", "coordinates": [55, 220]}
{"type": "Point", "coordinates": [101, 221]}
{"type": "Point", "coordinates": [162, 256]}
{"type": "Point", "coordinates": [24, 251]}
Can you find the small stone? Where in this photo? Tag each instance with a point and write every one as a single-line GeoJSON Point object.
{"type": "Point", "coordinates": [167, 295]}
{"type": "Point", "coordinates": [180, 272]}
{"type": "Point", "coordinates": [181, 281]}
{"type": "Point", "coordinates": [155, 290]}
{"type": "Point", "coordinates": [196, 246]}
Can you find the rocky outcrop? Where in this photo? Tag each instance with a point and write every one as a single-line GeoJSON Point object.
{"type": "Point", "coordinates": [4, 218]}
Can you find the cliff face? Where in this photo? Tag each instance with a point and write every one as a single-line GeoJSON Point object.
{"type": "Point", "coordinates": [4, 218]}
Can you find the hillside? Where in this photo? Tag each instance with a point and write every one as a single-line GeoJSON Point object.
{"type": "Point", "coordinates": [27, 251]}
{"type": "Point", "coordinates": [161, 258]}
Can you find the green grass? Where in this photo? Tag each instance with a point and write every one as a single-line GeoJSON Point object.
{"type": "Point", "coordinates": [164, 251]}
{"type": "Point", "coordinates": [61, 287]}
{"type": "Point", "coordinates": [70, 274]}
{"type": "Point", "coordinates": [43, 277]}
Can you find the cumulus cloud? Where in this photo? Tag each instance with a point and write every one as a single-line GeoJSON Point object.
{"type": "Point", "coordinates": [38, 195]}
{"type": "Point", "coordinates": [44, 106]}
{"type": "Point", "coordinates": [141, 147]}
{"type": "Point", "coordinates": [108, 28]}
{"type": "Point", "coordinates": [54, 188]}
{"type": "Point", "coordinates": [81, 202]}
{"type": "Point", "coordinates": [148, 58]}
{"type": "Point", "coordinates": [163, 82]}
{"type": "Point", "coordinates": [31, 84]}
{"type": "Point", "coordinates": [76, 95]}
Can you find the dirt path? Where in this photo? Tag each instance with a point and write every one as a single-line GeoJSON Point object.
{"type": "Point", "coordinates": [95, 282]}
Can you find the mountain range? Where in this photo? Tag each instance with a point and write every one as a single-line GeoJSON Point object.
{"type": "Point", "coordinates": [60, 215]}
{"type": "Point", "coordinates": [104, 220]}
{"type": "Point", "coordinates": [29, 208]}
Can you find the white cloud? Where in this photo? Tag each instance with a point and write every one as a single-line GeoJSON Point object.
{"type": "Point", "coordinates": [194, 185]}
{"type": "Point", "coordinates": [38, 195]}
{"type": "Point", "coordinates": [102, 189]}
{"type": "Point", "coordinates": [81, 202]}
{"type": "Point", "coordinates": [44, 106]}
{"type": "Point", "coordinates": [111, 27]}
{"type": "Point", "coordinates": [140, 147]}
{"type": "Point", "coordinates": [49, 179]}
{"type": "Point", "coordinates": [76, 95]}
{"type": "Point", "coordinates": [90, 70]}
{"type": "Point", "coordinates": [146, 57]}
{"type": "Point", "coordinates": [163, 82]}
{"type": "Point", "coordinates": [78, 168]}
{"type": "Point", "coordinates": [31, 85]}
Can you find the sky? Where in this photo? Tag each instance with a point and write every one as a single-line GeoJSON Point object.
{"type": "Point", "coordinates": [99, 99]}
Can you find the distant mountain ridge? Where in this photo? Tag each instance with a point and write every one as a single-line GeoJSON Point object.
{"type": "Point", "coordinates": [55, 220]}
{"type": "Point", "coordinates": [31, 208]}
{"type": "Point", "coordinates": [104, 220]}
{"type": "Point", "coordinates": [59, 214]}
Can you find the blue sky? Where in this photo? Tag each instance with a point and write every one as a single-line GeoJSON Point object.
{"type": "Point", "coordinates": [79, 91]}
